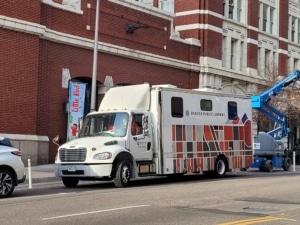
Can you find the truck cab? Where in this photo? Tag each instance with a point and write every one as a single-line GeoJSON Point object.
{"type": "Point", "coordinates": [111, 144]}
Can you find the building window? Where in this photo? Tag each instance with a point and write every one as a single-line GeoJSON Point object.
{"type": "Point", "coordinates": [166, 5]}
{"type": "Point", "coordinates": [294, 29]}
{"type": "Point", "coordinates": [233, 9]}
{"type": "Point", "coordinates": [242, 56]}
{"type": "Point", "coordinates": [298, 32]}
{"type": "Point", "coordinates": [266, 18]}
{"type": "Point", "coordinates": [233, 51]}
{"type": "Point", "coordinates": [177, 107]}
{"type": "Point", "coordinates": [294, 59]}
{"type": "Point", "coordinates": [296, 64]}
{"type": "Point", "coordinates": [267, 60]}
{"type": "Point", "coordinates": [224, 51]}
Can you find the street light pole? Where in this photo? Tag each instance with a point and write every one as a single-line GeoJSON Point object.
{"type": "Point", "coordinates": [95, 59]}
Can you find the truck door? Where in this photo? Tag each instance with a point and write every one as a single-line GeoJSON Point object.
{"type": "Point", "coordinates": [140, 135]}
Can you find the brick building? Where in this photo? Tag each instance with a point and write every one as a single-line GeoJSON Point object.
{"type": "Point", "coordinates": [227, 46]}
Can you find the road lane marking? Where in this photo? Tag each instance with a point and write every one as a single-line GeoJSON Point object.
{"type": "Point", "coordinates": [93, 212]}
{"type": "Point", "coordinates": [255, 220]}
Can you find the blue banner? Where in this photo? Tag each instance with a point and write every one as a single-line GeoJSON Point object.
{"type": "Point", "coordinates": [76, 108]}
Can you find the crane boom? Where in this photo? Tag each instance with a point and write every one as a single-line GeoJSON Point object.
{"type": "Point", "coordinates": [260, 103]}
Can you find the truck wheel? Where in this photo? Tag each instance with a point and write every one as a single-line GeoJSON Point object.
{"type": "Point", "coordinates": [269, 166]}
{"type": "Point", "coordinates": [286, 164]}
{"type": "Point", "coordinates": [7, 183]}
{"type": "Point", "coordinates": [70, 181]}
{"type": "Point", "coordinates": [220, 167]}
{"type": "Point", "coordinates": [122, 174]}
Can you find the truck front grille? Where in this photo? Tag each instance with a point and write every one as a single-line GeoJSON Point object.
{"type": "Point", "coordinates": [72, 155]}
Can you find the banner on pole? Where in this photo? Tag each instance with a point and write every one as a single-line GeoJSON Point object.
{"type": "Point", "coordinates": [76, 108]}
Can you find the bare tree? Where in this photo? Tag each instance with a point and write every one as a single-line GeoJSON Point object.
{"type": "Point", "coordinates": [287, 101]}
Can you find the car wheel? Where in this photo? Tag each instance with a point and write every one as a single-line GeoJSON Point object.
{"type": "Point", "coordinates": [122, 174]}
{"type": "Point", "coordinates": [70, 181]}
{"type": "Point", "coordinates": [7, 183]}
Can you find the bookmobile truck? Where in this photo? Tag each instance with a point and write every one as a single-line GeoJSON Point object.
{"type": "Point", "coordinates": [182, 131]}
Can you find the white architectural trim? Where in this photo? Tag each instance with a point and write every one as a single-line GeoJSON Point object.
{"type": "Point", "coordinates": [145, 8]}
{"type": "Point", "coordinates": [25, 137]}
{"type": "Point", "coordinates": [66, 7]}
{"type": "Point", "coordinates": [197, 11]}
{"type": "Point", "coordinates": [55, 36]}
{"type": "Point", "coordinates": [199, 26]}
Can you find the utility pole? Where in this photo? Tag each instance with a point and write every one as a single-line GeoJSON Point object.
{"type": "Point", "coordinates": [95, 59]}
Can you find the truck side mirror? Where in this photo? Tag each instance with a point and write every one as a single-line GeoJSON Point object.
{"type": "Point", "coordinates": [55, 140]}
{"type": "Point", "coordinates": [145, 122]}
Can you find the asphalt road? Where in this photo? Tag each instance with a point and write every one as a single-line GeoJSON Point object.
{"type": "Point", "coordinates": [250, 197]}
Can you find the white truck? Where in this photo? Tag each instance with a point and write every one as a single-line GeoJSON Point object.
{"type": "Point", "coordinates": [181, 131]}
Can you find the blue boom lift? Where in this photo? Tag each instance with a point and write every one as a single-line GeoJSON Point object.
{"type": "Point", "coordinates": [269, 150]}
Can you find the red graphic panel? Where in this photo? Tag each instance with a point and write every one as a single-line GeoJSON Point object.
{"type": "Point", "coordinates": [248, 137]}
{"type": "Point", "coordinates": [179, 149]}
{"type": "Point", "coordinates": [241, 133]}
{"type": "Point", "coordinates": [207, 133]}
{"type": "Point", "coordinates": [194, 133]}
{"type": "Point", "coordinates": [199, 149]}
{"type": "Point", "coordinates": [190, 165]}
{"type": "Point", "coordinates": [173, 133]}
{"type": "Point", "coordinates": [228, 131]}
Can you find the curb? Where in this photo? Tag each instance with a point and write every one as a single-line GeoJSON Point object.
{"type": "Point", "coordinates": [42, 180]}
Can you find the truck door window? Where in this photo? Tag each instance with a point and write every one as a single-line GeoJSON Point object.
{"type": "Point", "coordinates": [136, 125]}
{"type": "Point", "coordinates": [177, 107]}
{"type": "Point", "coordinates": [232, 111]}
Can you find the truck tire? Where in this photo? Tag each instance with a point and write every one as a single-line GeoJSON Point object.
{"type": "Point", "coordinates": [7, 183]}
{"type": "Point", "coordinates": [220, 167]}
{"type": "Point", "coordinates": [269, 166]}
{"type": "Point", "coordinates": [286, 163]}
{"type": "Point", "coordinates": [122, 174]}
{"type": "Point", "coordinates": [70, 181]}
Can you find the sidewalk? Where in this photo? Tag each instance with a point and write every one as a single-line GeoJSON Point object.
{"type": "Point", "coordinates": [41, 173]}
{"type": "Point", "coordinates": [45, 173]}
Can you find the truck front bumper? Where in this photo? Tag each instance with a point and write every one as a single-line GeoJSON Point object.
{"type": "Point", "coordinates": [79, 170]}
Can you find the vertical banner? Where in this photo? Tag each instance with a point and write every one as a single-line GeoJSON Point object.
{"type": "Point", "coordinates": [76, 108]}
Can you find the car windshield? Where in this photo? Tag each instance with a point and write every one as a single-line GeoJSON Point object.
{"type": "Point", "coordinates": [5, 142]}
{"type": "Point", "coordinates": [108, 124]}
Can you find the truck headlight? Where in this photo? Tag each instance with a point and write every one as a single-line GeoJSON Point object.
{"type": "Point", "coordinates": [102, 156]}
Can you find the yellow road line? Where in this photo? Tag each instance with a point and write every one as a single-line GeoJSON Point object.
{"type": "Point", "coordinates": [253, 220]}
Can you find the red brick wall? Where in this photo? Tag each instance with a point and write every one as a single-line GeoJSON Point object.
{"type": "Point", "coordinates": [283, 32]}
{"type": "Point", "coordinates": [26, 9]}
{"type": "Point", "coordinates": [79, 62]}
{"type": "Point", "coordinates": [18, 92]}
{"type": "Point", "coordinates": [253, 11]}
{"type": "Point", "coordinates": [208, 47]}
{"type": "Point", "coordinates": [31, 68]}
{"type": "Point", "coordinates": [112, 28]}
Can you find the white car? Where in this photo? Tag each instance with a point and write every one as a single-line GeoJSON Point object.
{"type": "Point", "coordinates": [12, 170]}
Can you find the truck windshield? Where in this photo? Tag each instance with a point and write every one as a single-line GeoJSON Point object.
{"type": "Point", "coordinates": [108, 124]}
